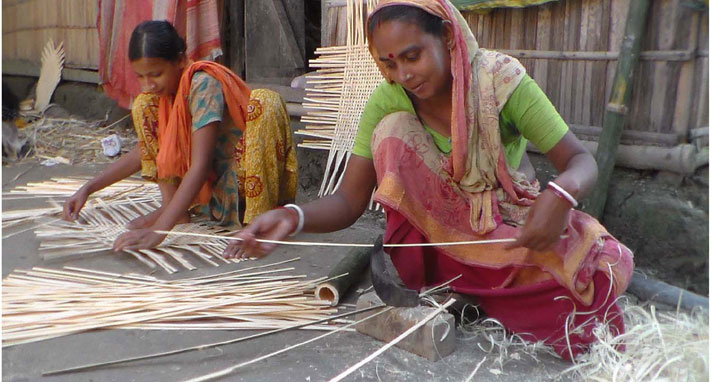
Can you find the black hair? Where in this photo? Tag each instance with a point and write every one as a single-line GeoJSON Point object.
{"type": "Point", "coordinates": [428, 22]}
{"type": "Point", "coordinates": [156, 39]}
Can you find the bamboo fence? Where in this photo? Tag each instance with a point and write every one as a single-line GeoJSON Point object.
{"type": "Point", "coordinates": [27, 25]}
{"type": "Point", "coordinates": [570, 48]}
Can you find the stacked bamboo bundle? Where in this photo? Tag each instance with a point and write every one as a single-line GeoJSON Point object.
{"type": "Point", "coordinates": [346, 77]}
{"type": "Point", "coordinates": [28, 24]}
{"type": "Point", "coordinates": [46, 303]}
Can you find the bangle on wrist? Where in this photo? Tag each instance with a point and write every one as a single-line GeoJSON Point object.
{"type": "Point", "coordinates": [301, 218]}
{"type": "Point", "coordinates": [561, 193]}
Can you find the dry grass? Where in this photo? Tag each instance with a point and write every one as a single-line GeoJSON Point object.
{"type": "Point", "coordinates": [659, 346]}
{"type": "Point", "coordinates": [74, 139]}
{"type": "Point", "coordinates": [494, 340]}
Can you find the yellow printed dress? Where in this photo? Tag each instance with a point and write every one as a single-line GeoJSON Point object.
{"type": "Point", "coordinates": [255, 170]}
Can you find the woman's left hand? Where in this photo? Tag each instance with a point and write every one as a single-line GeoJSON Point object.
{"type": "Point", "coordinates": [138, 239]}
{"type": "Point", "coordinates": [545, 223]}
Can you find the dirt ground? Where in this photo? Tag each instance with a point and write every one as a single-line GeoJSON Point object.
{"type": "Point", "coordinates": [318, 361]}
{"type": "Point", "coordinates": [326, 358]}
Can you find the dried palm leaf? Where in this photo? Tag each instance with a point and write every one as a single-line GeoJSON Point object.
{"type": "Point", "coordinates": [53, 59]}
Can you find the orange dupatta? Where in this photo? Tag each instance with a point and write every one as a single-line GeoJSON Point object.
{"type": "Point", "coordinates": [174, 127]}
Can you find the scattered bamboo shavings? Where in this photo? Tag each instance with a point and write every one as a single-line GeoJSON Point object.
{"type": "Point", "coordinates": [662, 346]}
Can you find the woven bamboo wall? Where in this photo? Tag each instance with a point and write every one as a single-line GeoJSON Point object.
{"type": "Point", "coordinates": [570, 48]}
{"type": "Point", "coordinates": [28, 24]}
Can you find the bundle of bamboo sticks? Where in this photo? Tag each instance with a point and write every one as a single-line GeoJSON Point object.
{"type": "Point", "coordinates": [46, 303]}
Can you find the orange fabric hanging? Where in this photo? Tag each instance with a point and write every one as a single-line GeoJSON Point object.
{"type": "Point", "coordinates": [174, 127]}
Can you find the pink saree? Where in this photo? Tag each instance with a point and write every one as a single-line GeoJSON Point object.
{"type": "Point", "coordinates": [531, 293]}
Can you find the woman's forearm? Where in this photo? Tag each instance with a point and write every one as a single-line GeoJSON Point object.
{"type": "Point", "coordinates": [181, 200]}
{"type": "Point", "coordinates": [332, 213]}
{"type": "Point", "coordinates": [342, 208]}
{"type": "Point", "coordinates": [203, 144]}
{"type": "Point", "coordinates": [579, 176]}
{"type": "Point", "coordinates": [128, 164]}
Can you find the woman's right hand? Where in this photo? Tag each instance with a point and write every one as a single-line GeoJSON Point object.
{"type": "Point", "coordinates": [276, 224]}
{"type": "Point", "coordinates": [72, 206]}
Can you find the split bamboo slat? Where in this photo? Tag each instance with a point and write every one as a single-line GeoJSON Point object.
{"type": "Point", "coordinates": [440, 308]}
{"type": "Point", "coordinates": [397, 339]}
{"type": "Point", "coordinates": [57, 190]}
{"type": "Point", "coordinates": [44, 303]}
{"type": "Point", "coordinates": [103, 219]}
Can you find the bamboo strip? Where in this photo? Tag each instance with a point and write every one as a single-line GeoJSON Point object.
{"type": "Point", "coordinates": [229, 370]}
{"type": "Point", "coordinates": [206, 346]}
{"type": "Point", "coordinates": [102, 221]}
{"type": "Point", "coordinates": [359, 245]}
{"type": "Point", "coordinates": [390, 344]}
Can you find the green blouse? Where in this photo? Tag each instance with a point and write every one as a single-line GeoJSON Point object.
{"type": "Point", "coordinates": [527, 115]}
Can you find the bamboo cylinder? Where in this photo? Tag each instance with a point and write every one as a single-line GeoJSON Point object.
{"type": "Point", "coordinates": [353, 266]}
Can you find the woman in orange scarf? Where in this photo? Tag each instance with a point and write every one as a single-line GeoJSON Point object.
{"type": "Point", "coordinates": [203, 136]}
{"type": "Point", "coordinates": [443, 140]}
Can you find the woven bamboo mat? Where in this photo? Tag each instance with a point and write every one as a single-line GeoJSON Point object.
{"type": "Point", "coordinates": [339, 89]}
{"type": "Point", "coordinates": [103, 219]}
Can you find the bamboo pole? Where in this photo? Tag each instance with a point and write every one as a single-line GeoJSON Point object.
{"type": "Point", "coordinates": [617, 106]}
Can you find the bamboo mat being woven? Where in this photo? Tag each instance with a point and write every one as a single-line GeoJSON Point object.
{"type": "Point", "coordinates": [338, 92]}
{"type": "Point", "coordinates": [103, 219]}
